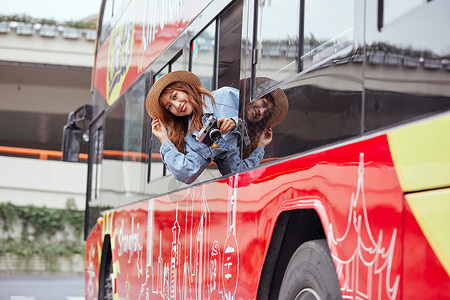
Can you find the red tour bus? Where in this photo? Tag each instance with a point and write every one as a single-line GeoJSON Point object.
{"type": "Point", "coordinates": [352, 197]}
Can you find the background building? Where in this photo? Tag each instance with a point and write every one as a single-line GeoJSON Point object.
{"type": "Point", "coordinates": [45, 72]}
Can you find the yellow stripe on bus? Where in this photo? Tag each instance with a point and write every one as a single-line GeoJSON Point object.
{"type": "Point", "coordinates": [421, 154]}
{"type": "Point", "coordinates": [432, 211]}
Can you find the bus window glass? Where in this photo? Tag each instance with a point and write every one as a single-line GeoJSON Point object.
{"type": "Point", "coordinates": [161, 73]}
{"type": "Point", "coordinates": [97, 140]}
{"type": "Point", "coordinates": [407, 73]}
{"type": "Point", "coordinates": [161, 180]}
{"type": "Point", "coordinates": [111, 174]}
{"type": "Point", "coordinates": [123, 165]}
{"type": "Point", "coordinates": [277, 38]}
{"type": "Point", "coordinates": [157, 166]}
{"type": "Point", "coordinates": [112, 12]}
{"type": "Point", "coordinates": [230, 46]}
{"type": "Point", "coordinates": [325, 31]}
{"type": "Point", "coordinates": [322, 109]}
{"type": "Point", "coordinates": [177, 65]}
{"type": "Point", "coordinates": [202, 56]}
{"type": "Point", "coordinates": [134, 115]}
{"type": "Point", "coordinates": [396, 8]}
{"type": "Point", "coordinates": [96, 202]}
{"type": "Point", "coordinates": [318, 115]}
{"type": "Point", "coordinates": [106, 22]}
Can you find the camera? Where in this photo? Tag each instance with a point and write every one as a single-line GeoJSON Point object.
{"type": "Point", "coordinates": [210, 133]}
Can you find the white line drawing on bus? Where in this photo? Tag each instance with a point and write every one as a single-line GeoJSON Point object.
{"type": "Point", "coordinates": [381, 263]}
{"type": "Point", "coordinates": [230, 261]}
{"type": "Point", "coordinates": [145, 288]}
{"type": "Point", "coordinates": [175, 258]}
{"type": "Point", "coordinates": [207, 270]}
{"type": "Point", "coordinates": [215, 268]}
{"type": "Point", "coordinates": [129, 244]}
{"type": "Point", "coordinates": [90, 289]}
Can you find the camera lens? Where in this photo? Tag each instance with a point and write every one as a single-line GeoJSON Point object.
{"type": "Point", "coordinates": [215, 134]}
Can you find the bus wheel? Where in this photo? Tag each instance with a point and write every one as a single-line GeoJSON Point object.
{"type": "Point", "coordinates": [310, 274]}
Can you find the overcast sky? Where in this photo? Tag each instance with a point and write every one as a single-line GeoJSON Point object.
{"type": "Point", "coordinates": [59, 10]}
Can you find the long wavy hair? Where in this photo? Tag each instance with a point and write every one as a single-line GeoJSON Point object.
{"type": "Point", "coordinates": [178, 126]}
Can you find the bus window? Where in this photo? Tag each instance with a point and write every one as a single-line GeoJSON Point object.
{"type": "Point", "coordinates": [219, 66]}
{"type": "Point", "coordinates": [277, 38]}
{"type": "Point", "coordinates": [407, 75]}
{"type": "Point", "coordinates": [203, 56]}
{"type": "Point", "coordinates": [161, 73]}
{"type": "Point", "coordinates": [323, 109]}
{"type": "Point", "coordinates": [123, 163]}
{"type": "Point", "coordinates": [292, 40]}
{"type": "Point", "coordinates": [97, 144]}
{"type": "Point", "coordinates": [112, 11]}
{"type": "Point", "coordinates": [157, 173]}
{"type": "Point", "coordinates": [318, 115]}
{"type": "Point", "coordinates": [177, 64]}
{"type": "Point", "coordinates": [230, 46]}
{"type": "Point", "coordinates": [325, 32]}
{"type": "Point", "coordinates": [394, 9]}
{"type": "Point", "coordinates": [94, 197]}
{"type": "Point", "coordinates": [106, 22]}
{"type": "Point", "coordinates": [156, 167]}
{"type": "Point", "coordinates": [160, 179]}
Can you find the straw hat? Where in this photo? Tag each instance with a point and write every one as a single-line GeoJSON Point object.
{"type": "Point", "coordinates": [280, 98]}
{"type": "Point", "coordinates": [152, 101]}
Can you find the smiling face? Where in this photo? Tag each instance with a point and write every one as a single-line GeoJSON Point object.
{"type": "Point", "coordinates": [176, 102]}
{"type": "Point", "coordinates": [258, 109]}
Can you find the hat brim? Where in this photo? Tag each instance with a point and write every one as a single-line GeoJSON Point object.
{"type": "Point", "coordinates": [281, 107]}
{"type": "Point", "coordinates": [152, 101]}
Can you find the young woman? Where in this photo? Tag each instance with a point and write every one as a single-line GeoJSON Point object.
{"type": "Point", "coordinates": [177, 102]}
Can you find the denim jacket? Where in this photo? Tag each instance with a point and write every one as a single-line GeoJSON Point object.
{"type": "Point", "coordinates": [186, 167]}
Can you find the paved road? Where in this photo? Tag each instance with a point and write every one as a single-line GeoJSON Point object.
{"type": "Point", "coordinates": [41, 288]}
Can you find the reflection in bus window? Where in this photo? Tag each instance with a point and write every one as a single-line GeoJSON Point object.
{"type": "Point", "coordinates": [123, 163]}
{"type": "Point", "coordinates": [407, 74]}
{"type": "Point", "coordinates": [134, 118]}
{"type": "Point", "coordinates": [316, 117]}
{"type": "Point", "coordinates": [97, 144]}
{"type": "Point", "coordinates": [261, 114]}
{"type": "Point", "coordinates": [177, 64]}
{"type": "Point", "coordinates": [322, 33]}
{"type": "Point", "coordinates": [107, 22]}
{"type": "Point", "coordinates": [161, 73]}
{"type": "Point", "coordinates": [394, 9]}
{"type": "Point", "coordinates": [202, 51]}
{"type": "Point", "coordinates": [113, 10]}
{"type": "Point", "coordinates": [157, 166]}
{"type": "Point", "coordinates": [230, 46]}
{"type": "Point", "coordinates": [325, 31]}
{"type": "Point", "coordinates": [277, 38]}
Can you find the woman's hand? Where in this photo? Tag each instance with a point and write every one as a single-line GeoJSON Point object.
{"type": "Point", "coordinates": [265, 138]}
{"type": "Point", "coordinates": [159, 130]}
{"type": "Point", "coordinates": [226, 125]}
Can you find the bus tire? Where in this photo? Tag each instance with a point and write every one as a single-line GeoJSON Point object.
{"type": "Point", "coordinates": [310, 274]}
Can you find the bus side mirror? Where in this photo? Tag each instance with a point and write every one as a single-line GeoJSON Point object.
{"type": "Point", "coordinates": [71, 142]}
